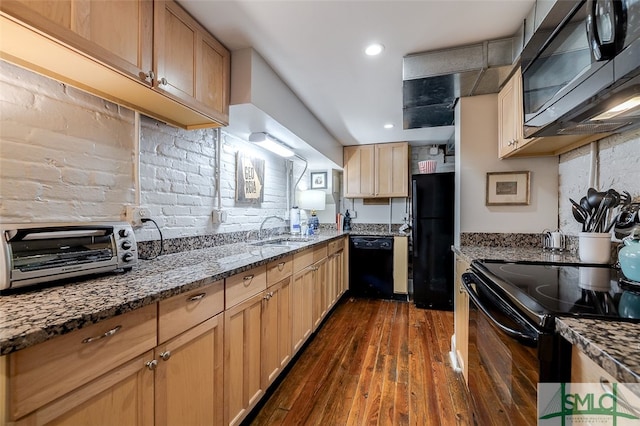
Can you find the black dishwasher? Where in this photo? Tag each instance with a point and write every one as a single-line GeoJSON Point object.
{"type": "Point", "coordinates": [371, 267]}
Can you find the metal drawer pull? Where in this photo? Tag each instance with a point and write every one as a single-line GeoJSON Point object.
{"type": "Point", "coordinates": [247, 280]}
{"type": "Point", "coordinates": [111, 332]}
{"type": "Point", "coordinates": [196, 297]}
{"type": "Point", "coordinates": [165, 355]}
{"type": "Point", "coordinates": [151, 365]}
{"type": "Point", "coordinates": [281, 266]}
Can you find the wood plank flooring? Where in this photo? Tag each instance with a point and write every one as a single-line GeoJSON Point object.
{"type": "Point", "coordinates": [374, 362]}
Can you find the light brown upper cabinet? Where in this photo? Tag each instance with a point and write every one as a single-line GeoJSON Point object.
{"type": "Point", "coordinates": [191, 66]}
{"type": "Point", "coordinates": [116, 33]}
{"type": "Point", "coordinates": [511, 141]}
{"type": "Point", "coordinates": [377, 171]}
{"type": "Point", "coordinates": [150, 56]}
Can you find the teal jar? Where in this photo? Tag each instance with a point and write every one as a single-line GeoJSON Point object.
{"type": "Point", "coordinates": [629, 258]}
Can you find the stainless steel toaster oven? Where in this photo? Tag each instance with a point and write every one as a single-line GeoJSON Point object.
{"type": "Point", "coordinates": [42, 252]}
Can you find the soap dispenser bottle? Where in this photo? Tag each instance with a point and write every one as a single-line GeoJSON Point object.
{"type": "Point", "coordinates": [294, 220]}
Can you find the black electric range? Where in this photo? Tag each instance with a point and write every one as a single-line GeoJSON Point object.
{"type": "Point", "coordinates": [544, 291]}
{"type": "Point", "coordinates": [512, 342]}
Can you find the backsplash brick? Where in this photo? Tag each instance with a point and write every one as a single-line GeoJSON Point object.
{"type": "Point", "coordinates": [66, 155]}
{"type": "Point", "coordinates": [618, 166]}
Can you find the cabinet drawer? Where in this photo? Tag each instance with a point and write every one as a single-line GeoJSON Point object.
{"type": "Point", "coordinates": [279, 269]}
{"type": "Point", "coordinates": [335, 245]}
{"type": "Point", "coordinates": [244, 285]}
{"type": "Point", "coordinates": [186, 310]}
{"type": "Point", "coordinates": [303, 259]}
{"type": "Point", "coordinates": [319, 252]}
{"type": "Point", "coordinates": [44, 372]}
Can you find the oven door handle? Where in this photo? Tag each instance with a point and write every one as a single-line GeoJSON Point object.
{"type": "Point", "coordinates": [516, 334]}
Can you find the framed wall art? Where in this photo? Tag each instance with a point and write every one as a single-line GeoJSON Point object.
{"type": "Point", "coordinates": [508, 188]}
{"type": "Point", "coordinates": [249, 179]}
{"type": "Point", "coordinates": [318, 180]}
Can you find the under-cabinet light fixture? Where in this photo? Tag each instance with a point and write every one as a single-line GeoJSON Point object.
{"type": "Point", "coordinates": [271, 143]}
{"type": "Point", "coordinates": [618, 109]}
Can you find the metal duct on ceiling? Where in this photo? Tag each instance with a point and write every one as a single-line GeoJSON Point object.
{"type": "Point", "coordinates": [433, 81]}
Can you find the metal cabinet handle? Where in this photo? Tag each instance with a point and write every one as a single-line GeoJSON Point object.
{"type": "Point", "coordinates": [314, 268]}
{"type": "Point", "coordinates": [248, 277]}
{"type": "Point", "coordinates": [148, 76]}
{"type": "Point", "coordinates": [151, 365]}
{"type": "Point", "coordinates": [197, 297]}
{"type": "Point", "coordinates": [281, 266]}
{"type": "Point", "coordinates": [162, 82]}
{"type": "Point", "coordinates": [165, 355]}
{"type": "Point", "coordinates": [111, 332]}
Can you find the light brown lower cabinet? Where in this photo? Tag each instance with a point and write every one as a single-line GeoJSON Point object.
{"type": "Point", "coordinates": [124, 396]}
{"type": "Point", "coordinates": [276, 330]}
{"type": "Point", "coordinates": [189, 376]}
{"type": "Point", "coordinates": [461, 317]}
{"type": "Point", "coordinates": [302, 306]}
{"type": "Point", "coordinates": [320, 292]}
{"type": "Point", "coordinates": [242, 358]}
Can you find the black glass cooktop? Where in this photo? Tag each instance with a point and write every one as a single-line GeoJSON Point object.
{"type": "Point", "coordinates": [550, 290]}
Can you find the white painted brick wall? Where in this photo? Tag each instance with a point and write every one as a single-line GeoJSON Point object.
{"type": "Point", "coordinates": [64, 155]}
{"type": "Point", "coordinates": [618, 168]}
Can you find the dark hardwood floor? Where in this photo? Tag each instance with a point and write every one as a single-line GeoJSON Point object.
{"type": "Point", "coordinates": [373, 362]}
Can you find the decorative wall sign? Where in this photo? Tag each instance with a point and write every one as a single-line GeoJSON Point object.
{"type": "Point", "coordinates": [318, 180]}
{"type": "Point", "coordinates": [507, 188]}
{"type": "Point", "coordinates": [249, 179]}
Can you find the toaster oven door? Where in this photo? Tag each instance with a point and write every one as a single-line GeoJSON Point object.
{"type": "Point", "coordinates": [39, 255]}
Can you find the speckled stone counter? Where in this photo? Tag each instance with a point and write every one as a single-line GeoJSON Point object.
{"type": "Point", "coordinates": [514, 254]}
{"type": "Point", "coordinates": [613, 345]}
{"type": "Point", "coordinates": [32, 317]}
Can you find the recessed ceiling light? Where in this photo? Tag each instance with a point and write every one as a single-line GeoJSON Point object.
{"type": "Point", "coordinates": [374, 49]}
{"type": "Point", "coordinates": [388, 126]}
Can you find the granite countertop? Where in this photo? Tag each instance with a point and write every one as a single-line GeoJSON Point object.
{"type": "Point", "coordinates": [515, 254]}
{"type": "Point", "coordinates": [31, 317]}
{"type": "Point", "coordinates": [613, 345]}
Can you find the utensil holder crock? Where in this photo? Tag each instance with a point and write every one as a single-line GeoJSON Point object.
{"type": "Point", "coordinates": [594, 247]}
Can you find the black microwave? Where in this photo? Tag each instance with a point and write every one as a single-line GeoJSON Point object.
{"type": "Point", "coordinates": [581, 69]}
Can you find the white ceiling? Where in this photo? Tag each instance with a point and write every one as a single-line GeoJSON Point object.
{"type": "Point", "coordinates": [316, 46]}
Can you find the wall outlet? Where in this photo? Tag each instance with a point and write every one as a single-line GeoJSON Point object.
{"type": "Point", "coordinates": [135, 214]}
{"type": "Point", "coordinates": [218, 216]}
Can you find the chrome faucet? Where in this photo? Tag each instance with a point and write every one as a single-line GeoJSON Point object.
{"type": "Point", "coordinates": [284, 222]}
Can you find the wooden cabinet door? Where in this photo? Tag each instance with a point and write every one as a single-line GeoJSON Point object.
{"type": "Point", "coordinates": [123, 396]}
{"type": "Point", "coordinates": [359, 169]}
{"type": "Point", "coordinates": [333, 275]}
{"type": "Point", "coordinates": [507, 141]}
{"type": "Point", "coordinates": [461, 317]}
{"type": "Point", "coordinates": [242, 358]}
{"type": "Point", "coordinates": [392, 170]}
{"type": "Point", "coordinates": [189, 376]}
{"type": "Point", "coordinates": [276, 330]}
{"type": "Point", "coordinates": [302, 306]}
{"type": "Point", "coordinates": [118, 33]}
{"type": "Point", "coordinates": [320, 284]}
{"type": "Point", "coordinates": [192, 67]}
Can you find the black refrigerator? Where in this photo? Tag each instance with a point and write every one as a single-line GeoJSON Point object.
{"type": "Point", "coordinates": [432, 234]}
